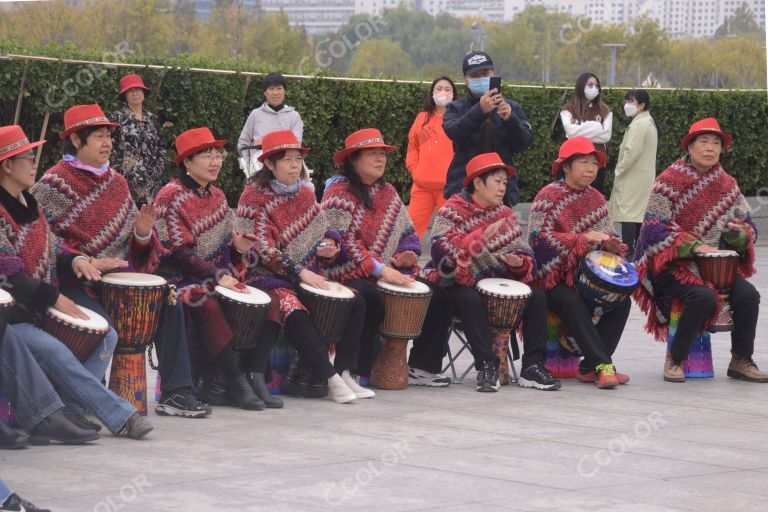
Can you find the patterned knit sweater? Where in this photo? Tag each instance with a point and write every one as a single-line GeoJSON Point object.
{"type": "Point", "coordinates": [687, 206]}
{"type": "Point", "coordinates": [560, 216]}
{"type": "Point", "coordinates": [369, 235]}
{"type": "Point", "coordinates": [195, 227]}
{"type": "Point", "coordinates": [94, 215]}
{"type": "Point", "coordinates": [459, 253]}
{"type": "Point", "coordinates": [288, 228]}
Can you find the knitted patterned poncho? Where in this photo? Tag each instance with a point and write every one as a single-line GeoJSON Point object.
{"type": "Point", "coordinates": [195, 227]}
{"type": "Point", "coordinates": [94, 215]}
{"type": "Point", "coordinates": [369, 235]}
{"type": "Point", "coordinates": [559, 218]}
{"type": "Point", "coordinates": [459, 253]}
{"type": "Point", "coordinates": [687, 205]}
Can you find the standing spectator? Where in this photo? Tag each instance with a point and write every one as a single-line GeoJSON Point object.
{"type": "Point", "coordinates": [636, 168]}
{"type": "Point", "coordinates": [138, 150]}
{"type": "Point", "coordinates": [273, 115]}
{"type": "Point", "coordinates": [484, 121]}
{"type": "Point", "coordinates": [587, 115]}
{"type": "Point", "coordinates": [430, 152]}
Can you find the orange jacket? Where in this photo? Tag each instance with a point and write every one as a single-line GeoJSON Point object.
{"type": "Point", "coordinates": [430, 152]}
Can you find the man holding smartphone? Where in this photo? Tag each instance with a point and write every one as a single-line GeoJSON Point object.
{"type": "Point", "coordinates": [483, 121]}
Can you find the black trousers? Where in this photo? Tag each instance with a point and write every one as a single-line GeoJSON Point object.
{"type": "Point", "coordinates": [256, 359]}
{"type": "Point", "coordinates": [467, 304]}
{"type": "Point", "coordinates": [372, 318]}
{"type": "Point", "coordinates": [629, 233]}
{"type": "Point", "coordinates": [700, 303]}
{"type": "Point", "coordinates": [597, 342]}
{"type": "Point", "coordinates": [430, 347]}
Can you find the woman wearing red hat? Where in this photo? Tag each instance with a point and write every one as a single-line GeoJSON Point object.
{"type": "Point", "coordinates": [32, 263]}
{"type": "Point", "coordinates": [475, 236]}
{"type": "Point", "coordinates": [568, 219]}
{"type": "Point", "coordinates": [138, 149]}
{"type": "Point", "coordinates": [281, 210]}
{"type": "Point", "coordinates": [196, 227]}
{"type": "Point", "coordinates": [696, 208]}
{"type": "Point", "coordinates": [379, 242]}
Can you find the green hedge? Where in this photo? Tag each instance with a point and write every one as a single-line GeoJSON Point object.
{"type": "Point", "coordinates": [332, 109]}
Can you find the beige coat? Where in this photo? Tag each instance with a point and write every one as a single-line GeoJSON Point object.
{"type": "Point", "coordinates": [635, 171]}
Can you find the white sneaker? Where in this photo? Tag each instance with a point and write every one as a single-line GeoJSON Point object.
{"type": "Point", "coordinates": [339, 391]}
{"type": "Point", "coordinates": [418, 377]}
{"type": "Point", "coordinates": [352, 384]}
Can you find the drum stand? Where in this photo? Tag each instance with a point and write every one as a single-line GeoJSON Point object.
{"type": "Point", "coordinates": [128, 378]}
{"type": "Point", "coordinates": [390, 370]}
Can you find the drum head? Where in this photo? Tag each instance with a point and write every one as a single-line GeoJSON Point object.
{"type": "Point", "coordinates": [416, 287]}
{"type": "Point", "coordinates": [722, 253]}
{"type": "Point", "coordinates": [503, 287]}
{"type": "Point", "coordinates": [611, 268]}
{"type": "Point", "coordinates": [337, 291]}
{"type": "Point", "coordinates": [133, 279]}
{"type": "Point", "coordinates": [5, 298]}
{"type": "Point", "coordinates": [255, 297]}
{"type": "Point", "coordinates": [95, 321]}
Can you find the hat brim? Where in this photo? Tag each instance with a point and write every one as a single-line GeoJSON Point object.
{"type": "Point", "coordinates": [66, 133]}
{"type": "Point", "coordinates": [511, 171]}
{"type": "Point", "coordinates": [602, 159]}
{"type": "Point", "coordinates": [481, 67]}
{"type": "Point", "coordinates": [127, 88]}
{"type": "Point", "coordinates": [214, 144]}
{"type": "Point", "coordinates": [267, 154]}
{"type": "Point", "coordinates": [25, 147]}
{"type": "Point", "coordinates": [341, 156]}
{"type": "Point", "coordinates": [727, 138]}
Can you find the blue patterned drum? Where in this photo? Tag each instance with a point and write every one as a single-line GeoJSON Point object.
{"type": "Point", "coordinates": [604, 280]}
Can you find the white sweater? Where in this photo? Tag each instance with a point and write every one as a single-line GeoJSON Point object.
{"type": "Point", "coordinates": [264, 120]}
{"type": "Point", "coordinates": [599, 133]}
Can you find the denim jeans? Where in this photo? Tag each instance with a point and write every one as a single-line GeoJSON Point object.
{"type": "Point", "coordinates": [24, 384]}
{"type": "Point", "coordinates": [5, 492]}
{"type": "Point", "coordinates": [74, 380]}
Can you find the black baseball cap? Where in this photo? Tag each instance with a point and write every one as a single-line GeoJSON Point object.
{"type": "Point", "coordinates": [476, 61]}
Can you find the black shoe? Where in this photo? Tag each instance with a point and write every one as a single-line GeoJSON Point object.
{"type": "Point", "coordinates": [259, 385]}
{"type": "Point", "coordinates": [538, 377]}
{"type": "Point", "coordinates": [57, 427]}
{"type": "Point", "coordinates": [212, 391]}
{"type": "Point", "coordinates": [241, 395]}
{"type": "Point", "coordinates": [136, 427]}
{"type": "Point", "coordinates": [18, 504]}
{"type": "Point", "coordinates": [299, 382]}
{"type": "Point", "coordinates": [10, 439]}
{"type": "Point", "coordinates": [181, 402]}
{"type": "Point", "coordinates": [488, 377]}
{"type": "Point", "coordinates": [83, 422]}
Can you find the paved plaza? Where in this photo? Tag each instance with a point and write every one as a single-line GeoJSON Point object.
{"type": "Point", "coordinates": [647, 446]}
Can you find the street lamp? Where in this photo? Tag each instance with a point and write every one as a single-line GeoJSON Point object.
{"type": "Point", "coordinates": [613, 47]}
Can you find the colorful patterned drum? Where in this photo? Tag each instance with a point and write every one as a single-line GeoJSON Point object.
{"type": "Point", "coordinates": [80, 336]}
{"type": "Point", "coordinates": [245, 313]}
{"type": "Point", "coordinates": [719, 269]}
{"type": "Point", "coordinates": [604, 280]}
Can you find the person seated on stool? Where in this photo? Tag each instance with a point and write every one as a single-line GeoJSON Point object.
{"type": "Point", "coordinates": [568, 219]}
{"type": "Point", "coordinates": [695, 208]}
{"type": "Point", "coordinates": [475, 236]}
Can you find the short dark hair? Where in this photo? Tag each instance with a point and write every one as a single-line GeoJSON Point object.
{"type": "Point", "coordinates": [82, 136]}
{"type": "Point", "coordinates": [484, 177]}
{"type": "Point", "coordinates": [272, 79]}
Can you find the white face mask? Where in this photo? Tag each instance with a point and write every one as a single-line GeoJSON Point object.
{"type": "Point", "coordinates": [630, 109]}
{"type": "Point", "coordinates": [591, 92]}
{"type": "Point", "coordinates": [441, 99]}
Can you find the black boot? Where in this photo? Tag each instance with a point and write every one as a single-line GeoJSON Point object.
{"type": "Point", "coordinates": [83, 422]}
{"type": "Point", "coordinates": [259, 385]}
{"type": "Point", "coordinates": [57, 427]}
{"type": "Point", "coordinates": [241, 395]}
{"type": "Point", "coordinates": [299, 381]}
{"type": "Point", "coordinates": [212, 390]}
{"type": "Point", "coordinates": [10, 439]}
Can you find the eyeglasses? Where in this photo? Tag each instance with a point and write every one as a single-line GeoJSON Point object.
{"type": "Point", "coordinates": [214, 156]}
{"type": "Point", "coordinates": [27, 155]}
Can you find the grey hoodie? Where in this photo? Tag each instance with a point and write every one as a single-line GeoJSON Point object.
{"type": "Point", "coordinates": [264, 120]}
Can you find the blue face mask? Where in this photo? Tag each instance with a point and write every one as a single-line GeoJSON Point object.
{"type": "Point", "coordinates": [479, 86]}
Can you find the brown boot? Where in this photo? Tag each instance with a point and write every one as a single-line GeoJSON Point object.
{"type": "Point", "coordinates": [744, 368]}
{"type": "Point", "coordinates": [673, 372]}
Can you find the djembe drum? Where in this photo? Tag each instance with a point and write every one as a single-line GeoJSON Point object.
{"type": "Point", "coordinates": [405, 307]}
{"type": "Point", "coordinates": [719, 269]}
{"type": "Point", "coordinates": [245, 314]}
{"type": "Point", "coordinates": [134, 302]}
{"type": "Point", "coordinates": [504, 301]}
{"type": "Point", "coordinates": [80, 336]}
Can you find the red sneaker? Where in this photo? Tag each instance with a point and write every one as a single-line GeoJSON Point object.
{"type": "Point", "coordinates": [622, 378]}
{"type": "Point", "coordinates": [588, 378]}
{"type": "Point", "coordinates": [606, 376]}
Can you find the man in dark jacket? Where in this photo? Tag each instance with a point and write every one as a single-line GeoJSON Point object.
{"type": "Point", "coordinates": [484, 121]}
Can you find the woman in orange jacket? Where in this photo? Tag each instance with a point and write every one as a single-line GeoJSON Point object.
{"type": "Point", "coordinates": [430, 152]}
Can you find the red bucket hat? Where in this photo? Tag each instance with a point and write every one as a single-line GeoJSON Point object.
{"type": "Point", "coordinates": [707, 125]}
{"type": "Point", "coordinates": [13, 141]}
{"type": "Point", "coordinates": [82, 116]}
{"type": "Point", "coordinates": [578, 146]}
{"type": "Point", "coordinates": [281, 140]}
{"type": "Point", "coordinates": [362, 139]}
{"type": "Point", "coordinates": [194, 140]}
{"type": "Point", "coordinates": [483, 163]}
{"type": "Point", "coordinates": [131, 81]}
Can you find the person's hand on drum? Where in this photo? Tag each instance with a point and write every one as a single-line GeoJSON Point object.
{"type": "Point", "coordinates": [613, 245]}
{"type": "Point", "coordinates": [327, 248]}
{"type": "Point", "coordinates": [512, 260]}
{"type": "Point", "coordinates": [595, 237]}
{"type": "Point", "coordinates": [704, 249]}
{"type": "Point", "coordinates": [84, 268]}
{"type": "Point", "coordinates": [736, 226]}
{"type": "Point", "coordinates": [66, 306]}
{"type": "Point", "coordinates": [404, 259]}
{"type": "Point", "coordinates": [145, 220]}
{"type": "Point", "coordinates": [104, 265]}
{"type": "Point", "coordinates": [243, 243]}
{"type": "Point", "coordinates": [233, 284]}
{"type": "Point", "coordinates": [390, 275]}
{"type": "Point", "coordinates": [312, 279]}
{"type": "Point", "coordinates": [490, 231]}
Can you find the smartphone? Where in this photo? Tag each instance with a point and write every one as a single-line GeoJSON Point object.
{"type": "Point", "coordinates": [496, 84]}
